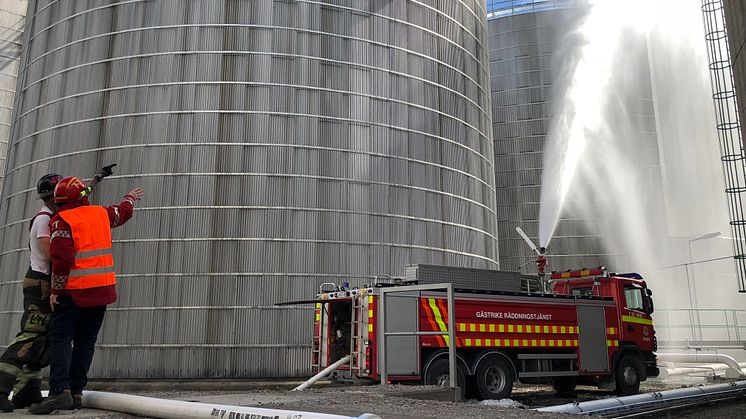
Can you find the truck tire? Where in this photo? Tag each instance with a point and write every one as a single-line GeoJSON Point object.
{"type": "Point", "coordinates": [627, 375]}
{"type": "Point", "coordinates": [494, 378]}
{"type": "Point", "coordinates": [437, 374]}
{"type": "Point", "coordinates": [563, 385]}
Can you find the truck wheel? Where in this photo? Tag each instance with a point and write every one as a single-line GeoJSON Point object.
{"type": "Point", "coordinates": [563, 385]}
{"type": "Point", "coordinates": [494, 378]}
{"type": "Point", "coordinates": [627, 375]}
{"type": "Point", "coordinates": [437, 374]}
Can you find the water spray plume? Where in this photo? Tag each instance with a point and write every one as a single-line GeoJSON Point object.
{"type": "Point", "coordinates": [579, 113]}
{"type": "Point", "coordinates": [631, 162]}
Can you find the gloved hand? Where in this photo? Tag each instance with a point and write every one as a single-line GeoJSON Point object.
{"type": "Point", "coordinates": [106, 171]}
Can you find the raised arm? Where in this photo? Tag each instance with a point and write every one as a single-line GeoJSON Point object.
{"type": "Point", "coordinates": [120, 214]}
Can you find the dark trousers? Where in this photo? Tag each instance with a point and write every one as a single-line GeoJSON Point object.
{"type": "Point", "coordinates": [73, 332]}
{"type": "Point", "coordinates": [22, 361]}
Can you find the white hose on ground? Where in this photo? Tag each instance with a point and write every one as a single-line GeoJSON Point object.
{"type": "Point", "coordinates": [177, 409]}
{"type": "Point", "coordinates": [322, 374]}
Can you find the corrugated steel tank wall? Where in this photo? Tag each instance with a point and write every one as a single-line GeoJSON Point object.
{"type": "Point", "coordinates": [525, 68]}
{"type": "Point", "coordinates": [281, 144]}
{"type": "Point", "coordinates": [12, 18]}
{"type": "Point", "coordinates": [735, 24]}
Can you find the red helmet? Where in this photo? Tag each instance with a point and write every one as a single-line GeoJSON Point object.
{"type": "Point", "coordinates": [71, 189]}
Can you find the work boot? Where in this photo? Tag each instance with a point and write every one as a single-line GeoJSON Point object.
{"type": "Point", "coordinates": [60, 401]}
{"type": "Point", "coordinates": [77, 401]}
{"type": "Point", "coordinates": [28, 395]}
{"type": "Point", "coordinates": [5, 404]}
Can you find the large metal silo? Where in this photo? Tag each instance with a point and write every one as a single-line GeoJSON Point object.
{"type": "Point", "coordinates": [281, 145]}
{"type": "Point", "coordinates": [12, 18]}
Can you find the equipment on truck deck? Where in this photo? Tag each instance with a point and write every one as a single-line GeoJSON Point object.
{"type": "Point", "coordinates": [465, 278]}
{"type": "Point", "coordinates": [594, 327]}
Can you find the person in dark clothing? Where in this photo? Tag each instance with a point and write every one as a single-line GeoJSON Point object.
{"type": "Point", "coordinates": [23, 360]}
{"type": "Point", "coordinates": [82, 284]}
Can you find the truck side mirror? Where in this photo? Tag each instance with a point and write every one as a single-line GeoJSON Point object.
{"type": "Point", "coordinates": [647, 304]}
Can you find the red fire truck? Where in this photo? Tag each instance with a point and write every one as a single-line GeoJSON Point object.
{"type": "Point", "coordinates": [593, 328]}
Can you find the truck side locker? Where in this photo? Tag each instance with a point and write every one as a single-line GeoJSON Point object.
{"type": "Point", "coordinates": [402, 315]}
{"type": "Point", "coordinates": [541, 365]}
{"type": "Point", "coordinates": [593, 348]}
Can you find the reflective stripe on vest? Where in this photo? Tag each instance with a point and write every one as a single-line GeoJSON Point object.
{"type": "Point", "coordinates": [91, 233]}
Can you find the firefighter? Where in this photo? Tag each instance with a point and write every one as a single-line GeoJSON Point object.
{"type": "Point", "coordinates": [541, 264]}
{"type": "Point", "coordinates": [23, 360]}
{"type": "Point", "coordinates": [82, 285]}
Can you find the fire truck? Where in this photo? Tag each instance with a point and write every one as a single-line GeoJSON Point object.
{"type": "Point", "coordinates": [593, 327]}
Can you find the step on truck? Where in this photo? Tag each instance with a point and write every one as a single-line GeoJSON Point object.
{"type": "Point", "coordinates": [592, 328]}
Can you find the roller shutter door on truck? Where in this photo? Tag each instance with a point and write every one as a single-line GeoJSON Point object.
{"type": "Point", "coordinates": [593, 350]}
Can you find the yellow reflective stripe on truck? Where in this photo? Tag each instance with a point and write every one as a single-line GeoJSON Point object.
{"type": "Point", "coordinates": [631, 319]}
{"type": "Point", "coordinates": [525, 343]}
{"type": "Point", "coordinates": [516, 328]}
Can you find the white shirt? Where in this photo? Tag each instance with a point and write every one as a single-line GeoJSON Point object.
{"type": "Point", "coordinates": [39, 229]}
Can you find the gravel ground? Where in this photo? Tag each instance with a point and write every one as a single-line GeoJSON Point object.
{"type": "Point", "coordinates": [541, 395]}
{"type": "Point", "coordinates": [392, 402]}
{"type": "Point", "coordinates": [395, 401]}
{"type": "Point", "coordinates": [77, 414]}
{"type": "Point", "coordinates": [385, 401]}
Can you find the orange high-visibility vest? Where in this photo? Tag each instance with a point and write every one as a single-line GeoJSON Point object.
{"type": "Point", "coordinates": [94, 263]}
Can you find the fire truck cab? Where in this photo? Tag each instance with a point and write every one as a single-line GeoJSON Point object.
{"type": "Point", "coordinates": [593, 328]}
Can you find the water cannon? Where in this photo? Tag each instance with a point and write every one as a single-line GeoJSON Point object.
{"type": "Point", "coordinates": [527, 240]}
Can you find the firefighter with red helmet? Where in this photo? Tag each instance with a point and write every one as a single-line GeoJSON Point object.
{"type": "Point", "coordinates": [23, 360]}
{"type": "Point", "coordinates": [82, 285]}
{"type": "Point", "coordinates": [541, 264]}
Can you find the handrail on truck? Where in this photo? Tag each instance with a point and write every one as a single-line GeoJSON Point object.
{"type": "Point", "coordinates": [383, 333]}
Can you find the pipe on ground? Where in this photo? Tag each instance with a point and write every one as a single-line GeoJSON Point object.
{"type": "Point", "coordinates": [673, 369]}
{"type": "Point", "coordinates": [668, 398]}
{"type": "Point", "coordinates": [733, 371]}
{"type": "Point", "coordinates": [666, 372]}
{"type": "Point", "coordinates": [176, 409]}
{"type": "Point", "coordinates": [322, 374]}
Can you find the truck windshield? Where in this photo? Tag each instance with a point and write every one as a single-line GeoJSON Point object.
{"type": "Point", "coordinates": [633, 297]}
